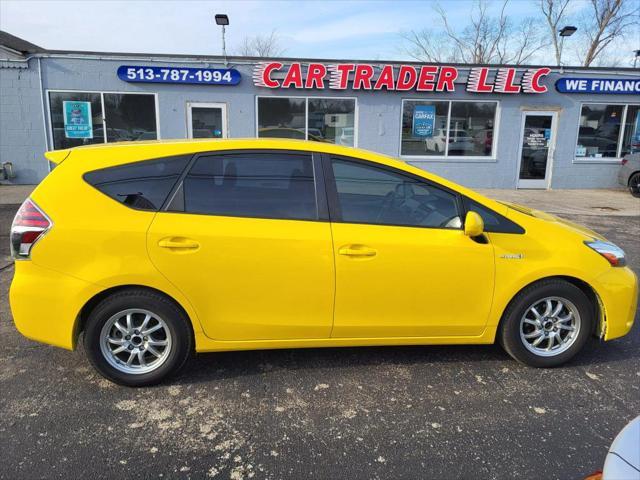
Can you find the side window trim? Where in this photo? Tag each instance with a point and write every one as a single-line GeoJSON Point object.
{"type": "Point", "coordinates": [322, 208]}
{"type": "Point", "coordinates": [517, 229]}
{"type": "Point", "coordinates": [335, 214]}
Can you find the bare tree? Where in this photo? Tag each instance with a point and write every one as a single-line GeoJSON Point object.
{"type": "Point", "coordinates": [486, 39]}
{"type": "Point", "coordinates": [604, 23]}
{"type": "Point", "coordinates": [262, 46]}
{"type": "Point", "coordinates": [553, 11]}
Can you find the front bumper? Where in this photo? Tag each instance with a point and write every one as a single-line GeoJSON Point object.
{"type": "Point", "coordinates": [618, 292]}
{"type": "Point", "coordinates": [45, 303]}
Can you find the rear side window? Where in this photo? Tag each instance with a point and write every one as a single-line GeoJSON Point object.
{"type": "Point", "coordinates": [141, 185]}
{"type": "Point", "coordinates": [493, 221]}
{"type": "Point", "coordinates": [250, 184]}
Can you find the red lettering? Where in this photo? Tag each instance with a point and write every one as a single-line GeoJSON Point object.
{"type": "Point", "coordinates": [446, 79]}
{"type": "Point", "coordinates": [427, 78]}
{"type": "Point", "coordinates": [362, 77]}
{"type": "Point", "coordinates": [315, 75]}
{"type": "Point", "coordinates": [385, 79]}
{"type": "Point", "coordinates": [505, 81]}
{"type": "Point", "coordinates": [293, 77]}
{"type": "Point", "coordinates": [340, 75]}
{"type": "Point", "coordinates": [531, 80]}
{"type": "Point", "coordinates": [264, 74]}
{"type": "Point", "coordinates": [406, 78]}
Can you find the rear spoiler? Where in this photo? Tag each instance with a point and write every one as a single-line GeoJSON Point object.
{"type": "Point", "coordinates": [57, 156]}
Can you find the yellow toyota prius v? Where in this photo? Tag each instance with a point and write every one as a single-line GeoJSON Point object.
{"type": "Point", "coordinates": [156, 250]}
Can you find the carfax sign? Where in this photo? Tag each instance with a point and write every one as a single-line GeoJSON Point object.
{"type": "Point", "coordinates": [77, 119]}
{"type": "Point", "coordinates": [200, 76]}
{"type": "Point", "coordinates": [424, 117]}
{"type": "Point", "coordinates": [599, 85]}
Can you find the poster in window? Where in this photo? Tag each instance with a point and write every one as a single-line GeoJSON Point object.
{"type": "Point", "coordinates": [77, 119]}
{"type": "Point", "coordinates": [424, 117]}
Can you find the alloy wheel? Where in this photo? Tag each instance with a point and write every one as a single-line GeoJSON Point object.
{"type": "Point", "coordinates": [550, 326]}
{"type": "Point", "coordinates": [135, 341]}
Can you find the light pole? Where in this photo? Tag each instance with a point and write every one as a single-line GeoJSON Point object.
{"type": "Point", "coordinates": [564, 32]}
{"type": "Point", "coordinates": [222, 19]}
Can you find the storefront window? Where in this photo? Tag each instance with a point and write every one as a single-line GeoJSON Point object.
{"type": "Point", "coordinates": [447, 129]}
{"type": "Point", "coordinates": [331, 120]}
{"type": "Point", "coordinates": [631, 137]}
{"type": "Point", "coordinates": [79, 118]}
{"type": "Point", "coordinates": [130, 117]}
{"type": "Point", "coordinates": [608, 131]}
{"type": "Point", "coordinates": [61, 137]}
{"type": "Point", "coordinates": [281, 117]}
{"type": "Point", "coordinates": [328, 120]}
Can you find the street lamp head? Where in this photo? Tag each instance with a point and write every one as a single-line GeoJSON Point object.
{"type": "Point", "coordinates": [222, 19]}
{"type": "Point", "coordinates": [567, 31]}
{"type": "Point", "coordinates": [637, 52]}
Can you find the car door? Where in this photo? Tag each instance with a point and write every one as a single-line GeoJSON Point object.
{"type": "Point", "coordinates": [404, 267]}
{"type": "Point", "coordinates": [245, 238]}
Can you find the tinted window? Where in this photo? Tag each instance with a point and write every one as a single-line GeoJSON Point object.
{"type": "Point", "coordinates": [267, 185]}
{"type": "Point", "coordinates": [493, 221]}
{"type": "Point", "coordinates": [368, 194]}
{"type": "Point", "coordinates": [142, 185]}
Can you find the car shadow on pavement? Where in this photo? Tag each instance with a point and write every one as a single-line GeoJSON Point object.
{"type": "Point", "coordinates": [208, 367]}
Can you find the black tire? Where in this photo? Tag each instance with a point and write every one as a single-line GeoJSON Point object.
{"type": "Point", "coordinates": [176, 321]}
{"type": "Point", "coordinates": [634, 184]}
{"type": "Point", "coordinates": [509, 331]}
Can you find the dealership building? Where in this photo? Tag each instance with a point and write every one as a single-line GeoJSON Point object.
{"type": "Point", "coordinates": [482, 126]}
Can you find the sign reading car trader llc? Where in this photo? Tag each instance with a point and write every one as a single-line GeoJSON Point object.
{"type": "Point", "coordinates": [599, 85]}
{"type": "Point", "coordinates": [201, 76]}
{"type": "Point", "coordinates": [425, 78]}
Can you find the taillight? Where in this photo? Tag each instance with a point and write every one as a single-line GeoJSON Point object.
{"type": "Point", "coordinates": [29, 225]}
{"type": "Point", "coordinates": [624, 161]}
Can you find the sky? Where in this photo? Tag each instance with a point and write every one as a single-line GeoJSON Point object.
{"type": "Point", "coordinates": [312, 29]}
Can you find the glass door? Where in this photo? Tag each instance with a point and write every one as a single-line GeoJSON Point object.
{"type": "Point", "coordinates": [536, 149]}
{"type": "Point", "coordinates": [207, 120]}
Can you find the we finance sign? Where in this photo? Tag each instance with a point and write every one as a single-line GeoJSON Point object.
{"type": "Point", "coordinates": [599, 85]}
{"type": "Point", "coordinates": [425, 78]}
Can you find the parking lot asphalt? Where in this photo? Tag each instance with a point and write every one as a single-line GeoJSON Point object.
{"type": "Point", "coordinates": [398, 412]}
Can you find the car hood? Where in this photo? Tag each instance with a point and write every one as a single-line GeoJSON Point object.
{"type": "Point", "coordinates": [574, 227]}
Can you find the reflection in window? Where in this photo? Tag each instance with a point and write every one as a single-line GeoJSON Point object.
{"type": "Point", "coordinates": [599, 130]}
{"type": "Point", "coordinates": [631, 137]}
{"type": "Point", "coordinates": [126, 116]}
{"type": "Point", "coordinates": [60, 139]}
{"type": "Point", "coordinates": [281, 117]}
{"type": "Point", "coordinates": [332, 120]}
{"type": "Point", "coordinates": [328, 120]}
{"type": "Point", "coordinates": [206, 122]}
{"type": "Point", "coordinates": [130, 117]}
{"type": "Point", "coordinates": [425, 131]}
{"type": "Point", "coordinates": [368, 194]}
{"type": "Point", "coordinates": [264, 185]}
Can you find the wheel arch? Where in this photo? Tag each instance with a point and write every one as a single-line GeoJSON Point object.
{"type": "Point", "coordinates": [588, 290]}
{"type": "Point", "coordinates": [88, 307]}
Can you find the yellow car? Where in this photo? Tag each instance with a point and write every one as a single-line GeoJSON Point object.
{"type": "Point", "coordinates": [158, 249]}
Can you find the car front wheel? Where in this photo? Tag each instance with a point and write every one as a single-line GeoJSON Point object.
{"type": "Point", "coordinates": [137, 338]}
{"type": "Point", "coordinates": [547, 323]}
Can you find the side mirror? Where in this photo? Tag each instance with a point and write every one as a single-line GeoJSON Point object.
{"type": "Point", "coordinates": [473, 225]}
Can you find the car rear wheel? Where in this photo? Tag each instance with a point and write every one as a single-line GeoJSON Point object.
{"type": "Point", "coordinates": [634, 184]}
{"type": "Point", "coordinates": [137, 338]}
{"type": "Point", "coordinates": [547, 323]}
